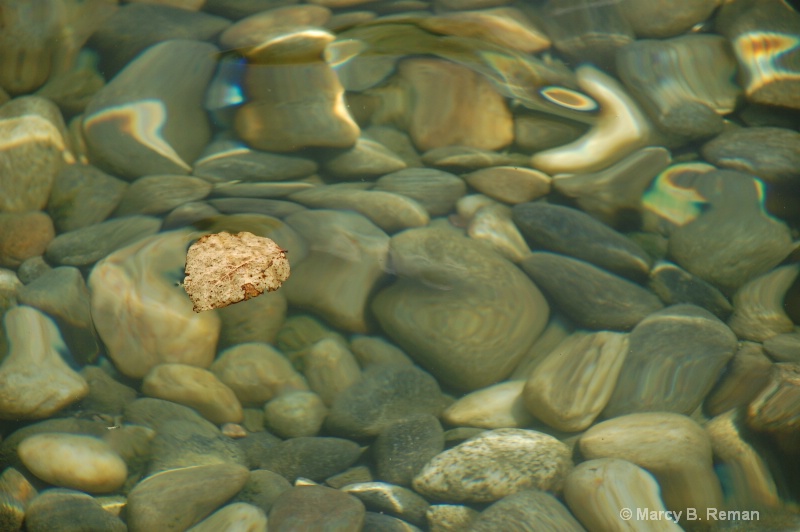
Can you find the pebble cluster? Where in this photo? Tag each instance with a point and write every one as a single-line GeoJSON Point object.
{"type": "Point", "coordinates": [544, 265]}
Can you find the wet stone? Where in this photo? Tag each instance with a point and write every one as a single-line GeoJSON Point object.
{"type": "Point", "coordinates": [509, 184]}
{"type": "Point", "coordinates": [238, 515]}
{"type": "Point", "coordinates": [494, 407]}
{"type": "Point", "coordinates": [574, 233]}
{"type": "Point", "coordinates": [384, 395]}
{"type": "Point", "coordinates": [597, 491]}
{"type": "Point", "coordinates": [685, 84]}
{"type": "Point", "coordinates": [30, 270]}
{"type": "Point", "coordinates": [225, 160]}
{"type": "Point", "coordinates": [311, 458]}
{"type": "Point", "coordinates": [572, 384]}
{"type": "Point", "coordinates": [316, 507]}
{"type": "Point", "coordinates": [63, 295]}
{"type": "Point", "coordinates": [164, 86]}
{"type": "Point", "coordinates": [675, 285]}
{"type": "Point", "coordinates": [534, 133]}
{"type": "Point", "coordinates": [771, 153]}
{"type": "Point", "coordinates": [295, 414]}
{"type": "Point", "coordinates": [747, 374]}
{"type": "Point", "coordinates": [329, 367]}
{"type": "Point", "coordinates": [24, 235]}
{"type": "Point", "coordinates": [137, 285]}
{"type": "Point", "coordinates": [391, 212]}
{"type": "Point", "coordinates": [235, 189]}
{"type": "Point", "coordinates": [159, 194]}
{"type": "Point", "coordinates": [347, 259]}
{"type": "Point", "coordinates": [470, 158]}
{"type": "Point", "coordinates": [527, 509]}
{"type": "Point", "coordinates": [378, 522]}
{"type": "Point", "coordinates": [294, 106]}
{"type": "Point", "coordinates": [256, 372]}
{"type": "Point", "coordinates": [16, 494]}
{"type": "Point", "coordinates": [675, 449]}
{"type": "Point", "coordinates": [402, 449]}
{"type": "Point", "coordinates": [758, 306]}
{"type": "Point", "coordinates": [675, 357]}
{"type": "Point", "coordinates": [447, 286]}
{"type": "Point", "coordinates": [137, 26]}
{"type": "Point", "coordinates": [179, 498]}
{"type": "Point", "coordinates": [262, 489]}
{"type": "Point", "coordinates": [437, 191]}
{"type": "Point", "coordinates": [264, 207]}
{"type": "Point", "coordinates": [83, 195]}
{"type": "Point", "coordinates": [35, 381]}
{"type": "Point", "coordinates": [182, 437]}
{"type": "Point", "coordinates": [70, 511]}
{"type": "Point", "coordinates": [194, 387]}
{"type": "Point", "coordinates": [614, 194]}
{"type": "Point", "coordinates": [73, 461]}
{"type": "Point", "coordinates": [32, 152]}
{"type": "Point", "coordinates": [389, 499]}
{"type": "Point", "coordinates": [776, 408]}
{"type": "Point", "coordinates": [659, 18]}
{"type": "Point", "coordinates": [701, 246]}
{"type": "Point", "coordinates": [494, 464]}
{"type": "Point", "coordinates": [290, 34]}
{"type": "Point", "coordinates": [450, 517]}
{"type": "Point", "coordinates": [370, 350]}
{"type": "Point", "coordinates": [443, 113]}
{"type": "Point", "coordinates": [592, 297]}
{"type": "Point", "coordinates": [366, 159]}
{"type": "Point", "coordinates": [106, 395]}
{"type": "Point", "coordinates": [87, 245]}
{"type": "Point", "coordinates": [255, 320]}
{"type": "Point", "coordinates": [784, 347]}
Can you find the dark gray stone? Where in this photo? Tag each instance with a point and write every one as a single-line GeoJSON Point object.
{"type": "Point", "coordinates": [402, 449]}
{"type": "Point", "coordinates": [526, 511]}
{"type": "Point", "coordinates": [382, 397]}
{"type": "Point", "coordinates": [69, 511]}
{"type": "Point", "coordinates": [306, 508]}
{"type": "Point", "coordinates": [675, 285]}
{"type": "Point", "coordinates": [311, 458]}
{"type": "Point", "coordinates": [675, 356]}
{"type": "Point", "coordinates": [574, 233]}
{"type": "Point", "coordinates": [592, 297]}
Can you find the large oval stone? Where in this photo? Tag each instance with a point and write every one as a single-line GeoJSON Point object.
{"type": "Point", "coordinates": [459, 308]}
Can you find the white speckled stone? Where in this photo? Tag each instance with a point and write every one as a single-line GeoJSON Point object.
{"type": "Point", "coordinates": [494, 464]}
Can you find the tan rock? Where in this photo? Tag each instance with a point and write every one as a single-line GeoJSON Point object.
{"type": "Point", "coordinates": [295, 414]}
{"type": "Point", "coordinates": [194, 387]}
{"type": "Point", "coordinates": [510, 184]}
{"type": "Point", "coordinates": [494, 407]}
{"type": "Point", "coordinates": [444, 113]}
{"type": "Point", "coordinates": [135, 287]}
{"type": "Point", "coordinates": [35, 382]}
{"type": "Point", "coordinates": [295, 106]}
{"type": "Point", "coordinates": [256, 372]}
{"type": "Point", "coordinates": [24, 235]}
{"type": "Point", "coordinates": [73, 461]}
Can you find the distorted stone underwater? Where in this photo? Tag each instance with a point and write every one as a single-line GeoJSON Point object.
{"type": "Point", "coordinates": [544, 265]}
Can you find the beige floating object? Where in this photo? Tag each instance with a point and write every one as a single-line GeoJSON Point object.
{"type": "Point", "coordinates": [223, 269]}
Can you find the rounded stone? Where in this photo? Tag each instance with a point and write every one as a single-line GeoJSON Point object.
{"type": "Point", "coordinates": [495, 464]}
{"type": "Point", "coordinates": [295, 413]}
{"type": "Point", "coordinates": [69, 511]}
{"type": "Point", "coordinates": [256, 372]}
{"type": "Point", "coordinates": [194, 387]}
{"type": "Point", "coordinates": [383, 396]}
{"type": "Point", "coordinates": [458, 308]}
{"type": "Point", "coordinates": [401, 450]}
{"type": "Point", "coordinates": [24, 235]}
{"type": "Point", "coordinates": [179, 498]}
{"type": "Point", "coordinates": [74, 461]}
{"type": "Point", "coordinates": [311, 458]}
{"type": "Point", "coordinates": [316, 508]}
